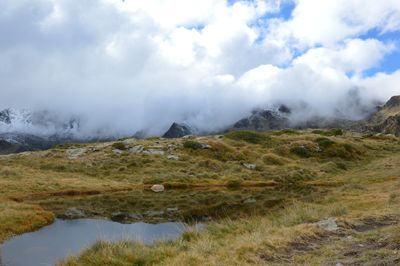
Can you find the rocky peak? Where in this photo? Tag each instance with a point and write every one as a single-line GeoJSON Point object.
{"type": "Point", "coordinates": [394, 102]}
{"type": "Point", "coordinates": [178, 130]}
{"type": "Point", "coordinates": [5, 116]}
{"type": "Point", "coordinates": [261, 119]}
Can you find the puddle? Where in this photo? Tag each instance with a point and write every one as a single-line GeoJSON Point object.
{"type": "Point", "coordinates": [68, 237]}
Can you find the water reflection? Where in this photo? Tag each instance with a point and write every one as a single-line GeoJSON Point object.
{"type": "Point", "coordinates": [67, 237]}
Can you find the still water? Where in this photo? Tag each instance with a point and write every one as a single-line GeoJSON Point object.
{"type": "Point", "coordinates": [68, 237]}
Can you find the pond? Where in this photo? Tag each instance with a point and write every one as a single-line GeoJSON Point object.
{"type": "Point", "coordinates": [138, 215]}
{"type": "Point", "coordinates": [68, 237]}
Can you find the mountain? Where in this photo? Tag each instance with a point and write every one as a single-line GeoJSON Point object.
{"type": "Point", "coordinates": [387, 119]}
{"type": "Point", "coordinates": [20, 142]}
{"type": "Point", "coordinates": [23, 130]}
{"type": "Point", "coordinates": [265, 120]}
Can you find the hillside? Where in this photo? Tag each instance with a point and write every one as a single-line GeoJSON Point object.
{"type": "Point", "coordinates": [307, 175]}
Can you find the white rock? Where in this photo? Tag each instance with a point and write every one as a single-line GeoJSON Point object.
{"type": "Point", "coordinates": [328, 224]}
{"type": "Point", "coordinates": [154, 152]}
{"type": "Point", "coordinates": [136, 149]}
{"type": "Point", "coordinates": [250, 166]}
{"type": "Point", "coordinates": [117, 151]}
{"type": "Point", "coordinates": [158, 188]}
{"type": "Point", "coordinates": [173, 157]}
{"type": "Point", "coordinates": [250, 201]}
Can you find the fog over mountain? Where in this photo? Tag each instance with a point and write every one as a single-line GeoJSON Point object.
{"type": "Point", "coordinates": [119, 67]}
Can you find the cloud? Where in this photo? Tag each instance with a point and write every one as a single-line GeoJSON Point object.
{"type": "Point", "coordinates": [130, 65]}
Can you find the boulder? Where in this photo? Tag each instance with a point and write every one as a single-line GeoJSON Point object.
{"type": "Point", "coordinates": [75, 153]}
{"type": "Point", "coordinates": [178, 130]}
{"type": "Point", "coordinates": [154, 152]}
{"type": "Point", "coordinates": [74, 213]}
{"type": "Point", "coordinates": [158, 188]}
{"type": "Point", "coordinates": [173, 157]}
{"type": "Point", "coordinates": [250, 166]}
{"type": "Point", "coordinates": [328, 224]}
{"type": "Point", "coordinates": [136, 149]}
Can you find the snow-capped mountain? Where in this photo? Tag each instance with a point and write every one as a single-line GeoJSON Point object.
{"type": "Point", "coordinates": [24, 130]}
{"type": "Point", "coordinates": [41, 123]}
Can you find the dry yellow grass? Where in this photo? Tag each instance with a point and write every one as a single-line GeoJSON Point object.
{"type": "Point", "coordinates": [360, 178]}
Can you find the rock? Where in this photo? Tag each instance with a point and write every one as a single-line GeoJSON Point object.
{"type": "Point", "coordinates": [173, 157]}
{"type": "Point", "coordinates": [129, 142]}
{"type": "Point", "coordinates": [339, 264]}
{"type": "Point", "coordinates": [158, 188]}
{"type": "Point", "coordinates": [117, 214]}
{"type": "Point", "coordinates": [250, 166]}
{"type": "Point", "coordinates": [250, 201]}
{"type": "Point", "coordinates": [205, 146]}
{"type": "Point", "coordinates": [136, 149]}
{"type": "Point", "coordinates": [75, 153]}
{"type": "Point", "coordinates": [136, 216]}
{"type": "Point", "coordinates": [175, 209]}
{"type": "Point", "coordinates": [154, 213]}
{"type": "Point", "coordinates": [101, 146]}
{"type": "Point", "coordinates": [74, 213]}
{"type": "Point", "coordinates": [328, 224]}
{"type": "Point", "coordinates": [117, 151]}
{"type": "Point", "coordinates": [263, 120]}
{"type": "Point", "coordinates": [154, 152]}
{"type": "Point", "coordinates": [178, 130]}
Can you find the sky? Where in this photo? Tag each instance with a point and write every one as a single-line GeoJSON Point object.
{"type": "Point", "coordinates": [133, 65]}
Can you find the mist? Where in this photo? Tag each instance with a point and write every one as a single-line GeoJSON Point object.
{"type": "Point", "coordinates": [121, 67]}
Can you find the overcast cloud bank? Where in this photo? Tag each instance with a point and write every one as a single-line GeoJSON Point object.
{"type": "Point", "coordinates": [125, 66]}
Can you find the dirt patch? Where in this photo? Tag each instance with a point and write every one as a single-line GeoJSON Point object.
{"type": "Point", "coordinates": [372, 223]}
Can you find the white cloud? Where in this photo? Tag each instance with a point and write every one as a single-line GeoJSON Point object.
{"type": "Point", "coordinates": [132, 65]}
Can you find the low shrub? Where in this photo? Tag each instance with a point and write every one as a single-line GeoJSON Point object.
{"type": "Point", "coordinates": [324, 142]}
{"type": "Point", "coordinates": [248, 136]}
{"type": "Point", "coordinates": [119, 146]}
{"type": "Point", "coordinates": [273, 159]}
{"type": "Point", "coordinates": [301, 151]}
{"type": "Point", "coordinates": [193, 145]}
{"type": "Point", "coordinates": [330, 132]}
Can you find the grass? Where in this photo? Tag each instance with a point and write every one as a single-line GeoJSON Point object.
{"type": "Point", "coordinates": [282, 237]}
{"type": "Point", "coordinates": [316, 175]}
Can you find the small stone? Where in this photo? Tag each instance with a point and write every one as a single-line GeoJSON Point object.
{"type": "Point", "coordinates": [328, 224]}
{"type": "Point", "coordinates": [154, 213]}
{"type": "Point", "coordinates": [339, 264]}
{"type": "Point", "coordinates": [205, 146]}
{"type": "Point", "coordinates": [173, 157]}
{"type": "Point", "coordinates": [74, 213]}
{"type": "Point", "coordinates": [158, 188]}
{"type": "Point", "coordinates": [250, 201]}
{"type": "Point", "coordinates": [250, 166]}
{"type": "Point", "coordinates": [154, 152]}
{"type": "Point", "coordinates": [117, 151]}
{"type": "Point", "coordinates": [136, 216]}
{"type": "Point", "coordinates": [175, 209]}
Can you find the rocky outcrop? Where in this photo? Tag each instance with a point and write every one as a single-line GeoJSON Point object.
{"type": "Point", "coordinates": [14, 142]}
{"type": "Point", "coordinates": [387, 119]}
{"type": "Point", "coordinates": [264, 120]}
{"type": "Point", "coordinates": [178, 130]}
